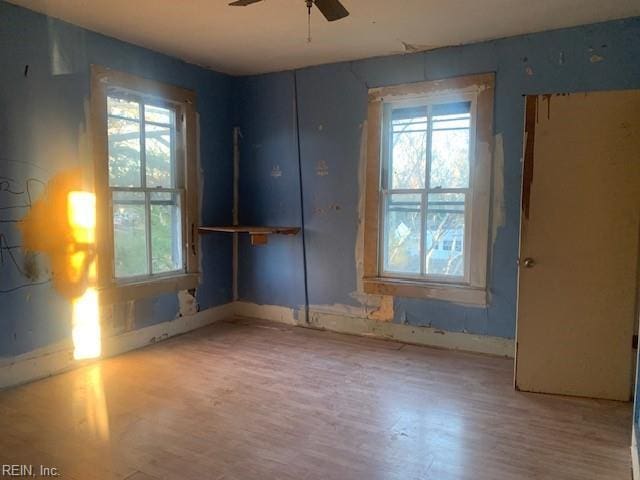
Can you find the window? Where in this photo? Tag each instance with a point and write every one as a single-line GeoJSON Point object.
{"type": "Point", "coordinates": [145, 172]}
{"type": "Point", "coordinates": [428, 171]}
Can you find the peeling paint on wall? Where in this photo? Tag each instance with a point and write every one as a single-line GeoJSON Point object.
{"type": "Point", "coordinates": [322, 169]}
{"type": "Point", "coordinates": [188, 305]}
{"type": "Point", "coordinates": [276, 172]}
{"type": "Point", "coordinates": [334, 207]}
{"type": "Point", "coordinates": [498, 206]}
{"type": "Point", "coordinates": [384, 312]}
{"type": "Point", "coordinates": [530, 134]}
{"type": "Point", "coordinates": [378, 307]}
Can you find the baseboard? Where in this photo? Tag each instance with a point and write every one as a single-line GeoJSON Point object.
{"type": "Point", "coordinates": [58, 358]}
{"type": "Point", "coordinates": [274, 313]}
{"type": "Point", "coordinates": [635, 462]}
{"type": "Point", "coordinates": [355, 325]}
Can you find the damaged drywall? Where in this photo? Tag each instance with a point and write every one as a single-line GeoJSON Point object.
{"type": "Point", "coordinates": [378, 307]}
{"type": "Point", "coordinates": [335, 96]}
{"type": "Point", "coordinates": [43, 136]}
{"type": "Point", "coordinates": [187, 303]}
{"type": "Point", "coordinates": [497, 206]}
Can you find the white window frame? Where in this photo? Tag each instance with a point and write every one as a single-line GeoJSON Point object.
{"type": "Point", "coordinates": [470, 289]}
{"type": "Point", "coordinates": [182, 102]}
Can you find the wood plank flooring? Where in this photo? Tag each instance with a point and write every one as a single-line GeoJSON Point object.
{"type": "Point", "coordinates": [248, 399]}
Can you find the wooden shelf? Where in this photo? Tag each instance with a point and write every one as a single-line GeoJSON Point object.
{"type": "Point", "coordinates": [259, 235]}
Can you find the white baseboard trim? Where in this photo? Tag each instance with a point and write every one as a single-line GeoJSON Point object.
{"type": "Point", "coordinates": [355, 325]}
{"type": "Point", "coordinates": [275, 313]}
{"type": "Point", "coordinates": [635, 462]}
{"type": "Point", "coordinates": [58, 357]}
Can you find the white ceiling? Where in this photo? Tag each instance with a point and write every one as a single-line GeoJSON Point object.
{"type": "Point", "coordinates": [271, 35]}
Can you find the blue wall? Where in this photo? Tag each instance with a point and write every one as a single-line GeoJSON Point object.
{"type": "Point", "coordinates": [332, 103]}
{"type": "Point", "coordinates": [269, 189]}
{"type": "Point", "coordinates": [45, 87]}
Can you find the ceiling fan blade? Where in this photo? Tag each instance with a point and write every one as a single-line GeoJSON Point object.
{"type": "Point", "coordinates": [243, 3]}
{"type": "Point", "coordinates": [332, 9]}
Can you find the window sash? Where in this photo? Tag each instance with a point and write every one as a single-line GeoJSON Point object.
{"type": "Point", "coordinates": [386, 192]}
{"type": "Point", "coordinates": [178, 180]}
{"type": "Point", "coordinates": [148, 231]}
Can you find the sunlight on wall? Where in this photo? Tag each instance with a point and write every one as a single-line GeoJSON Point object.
{"type": "Point", "coordinates": [81, 213]}
{"type": "Point", "coordinates": [86, 326]}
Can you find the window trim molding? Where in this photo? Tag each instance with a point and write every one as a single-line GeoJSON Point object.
{"type": "Point", "coordinates": [474, 291]}
{"type": "Point", "coordinates": [112, 291]}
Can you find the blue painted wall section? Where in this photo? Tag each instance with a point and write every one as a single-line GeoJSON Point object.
{"type": "Point", "coordinates": [269, 190]}
{"type": "Point", "coordinates": [332, 107]}
{"type": "Point", "coordinates": [45, 78]}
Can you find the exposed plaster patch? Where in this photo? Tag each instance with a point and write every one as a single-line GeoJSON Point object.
{"type": "Point", "coordinates": [374, 307]}
{"type": "Point", "coordinates": [529, 71]}
{"type": "Point", "coordinates": [378, 93]}
{"type": "Point", "coordinates": [379, 307]}
{"type": "Point", "coordinates": [188, 305]}
{"type": "Point", "coordinates": [322, 169]}
{"type": "Point", "coordinates": [531, 115]}
{"type": "Point", "coordinates": [596, 58]}
{"type": "Point", "coordinates": [362, 170]}
{"type": "Point", "coordinates": [498, 206]}
{"type": "Point", "coordinates": [384, 312]}
{"type": "Point", "coordinates": [415, 47]}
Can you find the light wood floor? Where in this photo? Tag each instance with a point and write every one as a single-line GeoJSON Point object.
{"type": "Point", "coordinates": [254, 400]}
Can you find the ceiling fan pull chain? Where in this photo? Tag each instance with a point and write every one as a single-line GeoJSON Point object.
{"type": "Point", "coordinates": [309, 5]}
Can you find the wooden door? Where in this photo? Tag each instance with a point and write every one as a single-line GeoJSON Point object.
{"type": "Point", "coordinates": [579, 244]}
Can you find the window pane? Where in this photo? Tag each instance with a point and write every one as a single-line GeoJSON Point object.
{"type": "Point", "coordinates": [124, 153]}
{"type": "Point", "coordinates": [408, 148]}
{"type": "Point", "coordinates": [158, 114]}
{"type": "Point", "coordinates": [450, 146]}
{"type": "Point", "coordinates": [402, 233]}
{"type": "Point", "coordinates": [123, 108]}
{"type": "Point", "coordinates": [445, 234]}
{"type": "Point", "coordinates": [159, 161]}
{"type": "Point", "coordinates": [166, 232]}
{"type": "Point", "coordinates": [130, 241]}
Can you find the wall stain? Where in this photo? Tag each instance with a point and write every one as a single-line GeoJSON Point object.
{"type": "Point", "coordinates": [334, 207]}
{"type": "Point", "coordinates": [531, 117]}
{"type": "Point", "coordinates": [276, 172]}
{"type": "Point", "coordinates": [322, 168]}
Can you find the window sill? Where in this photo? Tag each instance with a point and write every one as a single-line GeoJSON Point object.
{"type": "Point", "coordinates": [415, 289]}
{"type": "Point", "coordinates": [117, 293]}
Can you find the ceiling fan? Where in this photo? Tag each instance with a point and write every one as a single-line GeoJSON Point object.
{"type": "Point", "coordinates": [331, 9]}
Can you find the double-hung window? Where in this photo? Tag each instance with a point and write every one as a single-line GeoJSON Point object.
{"type": "Point", "coordinates": [145, 171]}
{"type": "Point", "coordinates": [428, 173]}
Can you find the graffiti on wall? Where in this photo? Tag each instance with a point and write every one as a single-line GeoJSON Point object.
{"type": "Point", "coordinates": [19, 189]}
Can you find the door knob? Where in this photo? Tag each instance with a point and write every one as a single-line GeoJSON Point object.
{"type": "Point", "coordinates": [529, 262]}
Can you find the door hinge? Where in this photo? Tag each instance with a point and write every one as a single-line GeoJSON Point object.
{"type": "Point", "coordinates": [634, 342]}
